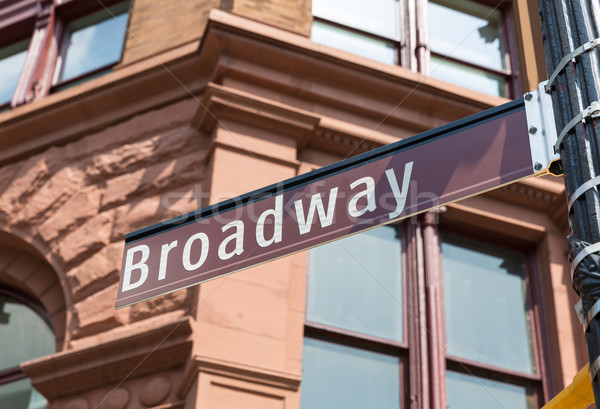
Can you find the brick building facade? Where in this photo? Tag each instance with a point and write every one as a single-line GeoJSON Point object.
{"type": "Point", "coordinates": [209, 100]}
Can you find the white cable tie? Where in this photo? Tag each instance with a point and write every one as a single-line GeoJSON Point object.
{"type": "Point", "coordinates": [593, 110]}
{"type": "Point", "coordinates": [590, 315]}
{"type": "Point", "coordinates": [594, 368]}
{"type": "Point", "coordinates": [581, 190]}
{"type": "Point", "coordinates": [592, 248]}
{"type": "Point", "coordinates": [563, 63]}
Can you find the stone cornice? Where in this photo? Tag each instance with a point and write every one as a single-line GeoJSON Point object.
{"type": "Point", "coordinates": [264, 376]}
{"type": "Point", "coordinates": [75, 371]}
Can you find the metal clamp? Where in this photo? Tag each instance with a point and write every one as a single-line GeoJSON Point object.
{"type": "Point", "coordinates": [542, 129]}
{"type": "Point", "coordinates": [563, 63]}
{"type": "Point", "coordinates": [590, 315]}
{"type": "Point", "coordinates": [592, 248]}
{"type": "Point", "coordinates": [593, 110]}
{"type": "Point", "coordinates": [581, 190]}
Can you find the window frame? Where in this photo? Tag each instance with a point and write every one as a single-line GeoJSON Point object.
{"type": "Point", "coordinates": [539, 381]}
{"type": "Point", "coordinates": [44, 22]}
{"type": "Point", "coordinates": [401, 350]}
{"type": "Point", "coordinates": [14, 373]}
{"type": "Point", "coordinates": [423, 372]}
{"type": "Point", "coordinates": [512, 86]}
{"type": "Point", "coordinates": [412, 48]}
{"type": "Point", "coordinates": [68, 12]}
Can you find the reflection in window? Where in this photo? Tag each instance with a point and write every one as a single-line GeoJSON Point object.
{"type": "Point", "coordinates": [12, 59]}
{"type": "Point", "coordinates": [487, 307]}
{"type": "Point", "coordinates": [356, 284]}
{"type": "Point", "coordinates": [472, 392]}
{"type": "Point", "coordinates": [369, 29]}
{"type": "Point", "coordinates": [467, 45]}
{"type": "Point", "coordinates": [24, 335]}
{"type": "Point", "coordinates": [488, 322]}
{"type": "Point", "coordinates": [92, 43]}
{"type": "Point", "coordinates": [342, 377]}
{"type": "Point", "coordinates": [352, 351]}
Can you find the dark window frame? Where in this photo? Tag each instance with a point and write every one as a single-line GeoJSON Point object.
{"type": "Point", "coordinates": [66, 13]}
{"type": "Point", "coordinates": [45, 23]}
{"type": "Point", "coordinates": [400, 350]}
{"type": "Point", "coordinates": [415, 265]}
{"type": "Point", "coordinates": [13, 374]}
{"type": "Point", "coordinates": [512, 87]}
{"type": "Point", "coordinates": [511, 74]}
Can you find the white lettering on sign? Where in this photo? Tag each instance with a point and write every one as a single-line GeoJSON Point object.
{"type": "Point", "coordinates": [140, 265]}
{"type": "Point", "coordinates": [238, 236]}
{"type": "Point", "coordinates": [399, 195]}
{"type": "Point", "coordinates": [187, 252]}
{"type": "Point", "coordinates": [368, 193]}
{"type": "Point", "coordinates": [277, 216]}
{"type": "Point", "coordinates": [316, 203]}
{"type": "Point", "coordinates": [321, 211]}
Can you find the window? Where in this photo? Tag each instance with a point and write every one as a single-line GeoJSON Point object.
{"type": "Point", "coordinates": [468, 46]}
{"type": "Point", "coordinates": [355, 344]}
{"type": "Point", "coordinates": [469, 41]}
{"type": "Point", "coordinates": [25, 333]}
{"type": "Point", "coordinates": [92, 44]}
{"type": "Point", "coordinates": [369, 29]}
{"type": "Point", "coordinates": [488, 326]}
{"type": "Point", "coordinates": [368, 323]}
{"type": "Point", "coordinates": [12, 59]}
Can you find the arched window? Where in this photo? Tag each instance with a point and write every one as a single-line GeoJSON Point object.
{"type": "Point", "coordinates": [25, 333]}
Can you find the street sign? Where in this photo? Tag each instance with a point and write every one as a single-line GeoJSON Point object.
{"type": "Point", "coordinates": [455, 161]}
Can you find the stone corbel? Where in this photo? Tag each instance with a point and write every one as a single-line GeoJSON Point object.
{"type": "Point", "coordinates": [103, 368]}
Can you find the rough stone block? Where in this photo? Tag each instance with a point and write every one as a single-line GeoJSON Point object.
{"type": "Point", "coordinates": [27, 180]}
{"type": "Point", "coordinates": [97, 312]}
{"type": "Point", "coordinates": [145, 212]}
{"type": "Point", "coordinates": [154, 178]}
{"type": "Point", "coordinates": [159, 305]}
{"type": "Point", "coordinates": [61, 185]}
{"type": "Point", "coordinates": [94, 273]}
{"type": "Point", "coordinates": [74, 212]}
{"type": "Point", "coordinates": [87, 239]}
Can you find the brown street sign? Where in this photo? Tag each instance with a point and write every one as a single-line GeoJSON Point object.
{"type": "Point", "coordinates": [396, 181]}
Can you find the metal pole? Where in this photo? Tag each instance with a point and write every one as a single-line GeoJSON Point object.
{"type": "Point", "coordinates": [567, 25]}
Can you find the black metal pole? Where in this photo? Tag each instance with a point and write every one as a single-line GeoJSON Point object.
{"type": "Point", "coordinates": [567, 25]}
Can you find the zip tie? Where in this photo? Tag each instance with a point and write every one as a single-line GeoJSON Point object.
{"type": "Point", "coordinates": [594, 368]}
{"type": "Point", "coordinates": [592, 248]}
{"type": "Point", "coordinates": [562, 64]}
{"type": "Point", "coordinates": [593, 110]}
{"type": "Point", "coordinates": [590, 315]}
{"type": "Point", "coordinates": [581, 190]}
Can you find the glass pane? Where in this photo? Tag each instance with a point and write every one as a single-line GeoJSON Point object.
{"type": "Point", "coordinates": [23, 334]}
{"type": "Point", "coordinates": [353, 43]}
{"type": "Point", "coordinates": [20, 395]}
{"type": "Point", "coordinates": [467, 31]}
{"type": "Point", "coordinates": [94, 42]}
{"type": "Point", "coordinates": [341, 377]}
{"type": "Point", "coordinates": [487, 308]}
{"type": "Point", "coordinates": [468, 77]}
{"type": "Point", "coordinates": [12, 59]}
{"type": "Point", "coordinates": [374, 16]}
{"type": "Point", "coordinates": [356, 284]}
{"type": "Point", "coordinates": [470, 392]}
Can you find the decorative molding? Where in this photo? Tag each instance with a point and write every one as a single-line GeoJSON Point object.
{"type": "Point", "coordinates": [147, 352]}
{"type": "Point", "coordinates": [203, 364]}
